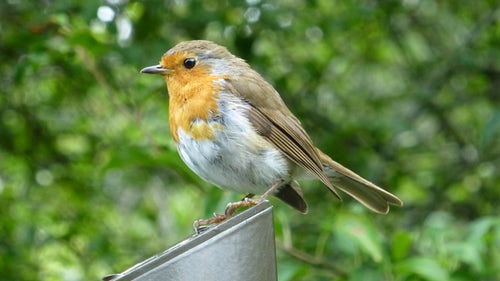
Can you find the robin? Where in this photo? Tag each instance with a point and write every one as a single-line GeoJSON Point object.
{"type": "Point", "coordinates": [233, 130]}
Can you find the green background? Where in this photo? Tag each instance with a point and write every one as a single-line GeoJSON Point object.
{"type": "Point", "coordinates": [406, 93]}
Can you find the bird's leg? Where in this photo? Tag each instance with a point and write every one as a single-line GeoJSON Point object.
{"type": "Point", "coordinates": [247, 201]}
{"type": "Point", "coordinates": [270, 191]}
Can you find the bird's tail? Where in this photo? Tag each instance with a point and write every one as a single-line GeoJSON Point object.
{"type": "Point", "coordinates": [367, 193]}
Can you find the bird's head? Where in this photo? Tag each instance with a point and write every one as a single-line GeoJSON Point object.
{"type": "Point", "coordinates": [195, 59]}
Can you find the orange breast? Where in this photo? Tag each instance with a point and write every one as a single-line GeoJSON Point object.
{"type": "Point", "coordinates": [193, 102]}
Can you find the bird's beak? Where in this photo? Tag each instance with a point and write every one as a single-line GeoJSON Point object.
{"type": "Point", "coordinates": [156, 69]}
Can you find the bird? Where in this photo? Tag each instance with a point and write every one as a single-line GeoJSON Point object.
{"type": "Point", "coordinates": [233, 129]}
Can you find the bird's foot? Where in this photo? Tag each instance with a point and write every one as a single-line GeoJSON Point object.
{"type": "Point", "coordinates": [247, 202]}
{"type": "Point", "coordinates": [203, 224]}
{"type": "Point", "coordinates": [231, 208]}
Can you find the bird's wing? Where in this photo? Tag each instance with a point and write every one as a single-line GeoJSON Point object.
{"type": "Point", "coordinates": [274, 121]}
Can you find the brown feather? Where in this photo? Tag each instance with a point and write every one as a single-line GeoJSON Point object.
{"type": "Point", "coordinates": [367, 193]}
{"type": "Point", "coordinates": [274, 121]}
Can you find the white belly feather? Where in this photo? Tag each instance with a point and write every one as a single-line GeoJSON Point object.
{"type": "Point", "coordinates": [236, 158]}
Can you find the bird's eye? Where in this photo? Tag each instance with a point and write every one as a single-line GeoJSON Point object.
{"type": "Point", "coordinates": [189, 63]}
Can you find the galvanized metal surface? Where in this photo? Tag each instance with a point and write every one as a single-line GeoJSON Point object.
{"type": "Point", "coordinates": [242, 248]}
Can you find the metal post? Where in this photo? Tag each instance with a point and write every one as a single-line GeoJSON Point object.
{"type": "Point", "coordinates": [241, 248]}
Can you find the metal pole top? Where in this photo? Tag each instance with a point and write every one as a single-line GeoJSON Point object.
{"type": "Point", "coordinates": [241, 248]}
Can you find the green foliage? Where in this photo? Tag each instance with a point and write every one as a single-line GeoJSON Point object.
{"type": "Point", "coordinates": [404, 92]}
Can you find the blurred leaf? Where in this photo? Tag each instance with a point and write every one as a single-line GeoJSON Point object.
{"type": "Point", "coordinates": [424, 267]}
{"type": "Point", "coordinates": [401, 245]}
{"type": "Point", "coordinates": [363, 233]}
{"type": "Point", "coordinates": [491, 131]}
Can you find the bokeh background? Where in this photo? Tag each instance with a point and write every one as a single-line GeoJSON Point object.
{"type": "Point", "coordinates": [406, 93]}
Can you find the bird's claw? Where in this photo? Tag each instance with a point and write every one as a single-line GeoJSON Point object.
{"type": "Point", "coordinates": [246, 202]}
{"type": "Point", "coordinates": [231, 208]}
{"type": "Point", "coordinates": [203, 224]}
